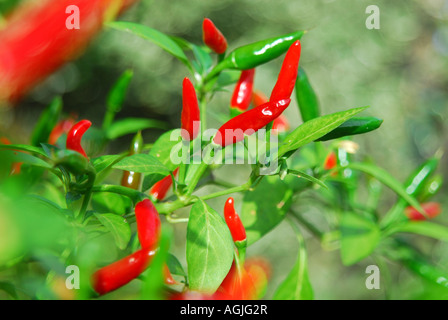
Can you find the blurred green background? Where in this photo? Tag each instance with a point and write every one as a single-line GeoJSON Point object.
{"type": "Point", "coordinates": [400, 70]}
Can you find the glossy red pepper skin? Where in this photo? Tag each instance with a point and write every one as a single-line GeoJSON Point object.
{"type": "Point", "coordinates": [160, 188]}
{"type": "Point", "coordinates": [330, 161]}
{"type": "Point", "coordinates": [432, 210]}
{"type": "Point", "coordinates": [35, 40]}
{"type": "Point", "coordinates": [233, 221]}
{"type": "Point", "coordinates": [75, 134]}
{"type": "Point", "coordinates": [121, 272]}
{"type": "Point", "coordinates": [280, 124]}
{"type": "Point", "coordinates": [212, 37]}
{"type": "Point", "coordinates": [190, 111]}
{"type": "Point", "coordinates": [62, 127]}
{"type": "Point", "coordinates": [242, 94]}
{"type": "Point", "coordinates": [288, 73]}
{"type": "Point", "coordinates": [148, 224]}
{"type": "Point", "coordinates": [253, 119]}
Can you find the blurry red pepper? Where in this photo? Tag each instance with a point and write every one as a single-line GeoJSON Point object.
{"type": "Point", "coordinates": [35, 40]}
{"type": "Point", "coordinates": [288, 74]}
{"type": "Point", "coordinates": [432, 210]}
{"type": "Point", "coordinates": [242, 94]}
{"type": "Point", "coordinates": [330, 161]}
{"type": "Point", "coordinates": [280, 124]}
{"type": "Point", "coordinates": [75, 134]}
{"type": "Point", "coordinates": [121, 272]}
{"type": "Point", "coordinates": [148, 224]}
{"type": "Point", "coordinates": [190, 111]}
{"type": "Point", "coordinates": [233, 221]}
{"type": "Point", "coordinates": [160, 188]}
{"type": "Point", "coordinates": [62, 127]}
{"type": "Point", "coordinates": [212, 37]}
{"type": "Point", "coordinates": [253, 119]}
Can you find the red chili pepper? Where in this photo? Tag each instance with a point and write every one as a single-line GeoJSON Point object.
{"type": "Point", "coordinates": [280, 124]}
{"type": "Point", "coordinates": [62, 127]}
{"type": "Point", "coordinates": [160, 188]}
{"type": "Point", "coordinates": [148, 224]}
{"type": "Point", "coordinates": [213, 38]}
{"type": "Point", "coordinates": [75, 134]}
{"type": "Point", "coordinates": [251, 120]}
{"type": "Point", "coordinates": [242, 94]}
{"type": "Point", "coordinates": [330, 161]}
{"type": "Point", "coordinates": [432, 210]}
{"type": "Point", "coordinates": [35, 40]}
{"type": "Point", "coordinates": [233, 221]}
{"type": "Point", "coordinates": [288, 74]}
{"type": "Point", "coordinates": [121, 272]}
{"type": "Point", "coordinates": [190, 111]}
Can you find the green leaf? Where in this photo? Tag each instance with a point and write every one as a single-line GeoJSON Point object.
{"type": "Point", "coordinates": [424, 228]}
{"type": "Point", "coordinates": [265, 207]}
{"type": "Point", "coordinates": [155, 36]}
{"type": "Point", "coordinates": [25, 158]}
{"type": "Point", "coordinates": [117, 94]}
{"type": "Point", "coordinates": [162, 149]}
{"type": "Point", "coordinates": [359, 237]}
{"type": "Point", "coordinates": [108, 202]}
{"type": "Point", "coordinates": [103, 162]}
{"type": "Point", "coordinates": [175, 266]}
{"type": "Point", "coordinates": [24, 148]}
{"type": "Point", "coordinates": [150, 179]}
{"type": "Point", "coordinates": [315, 128]}
{"type": "Point", "coordinates": [301, 174]}
{"type": "Point", "coordinates": [46, 122]}
{"type": "Point", "coordinates": [228, 77]}
{"type": "Point", "coordinates": [9, 289]}
{"type": "Point", "coordinates": [118, 226]}
{"type": "Point", "coordinates": [297, 285]}
{"type": "Point", "coordinates": [132, 125]}
{"type": "Point", "coordinates": [143, 163]}
{"type": "Point", "coordinates": [209, 248]}
{"type": "Point", "coordinates": [385, 178]}
{"type": "Point", "coordinates": [203, 58]}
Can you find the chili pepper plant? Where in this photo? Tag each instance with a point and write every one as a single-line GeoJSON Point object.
{"type": "Point", "coordinates": [66, 204]}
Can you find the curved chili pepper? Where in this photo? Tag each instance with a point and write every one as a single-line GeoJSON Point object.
{"type": "Point", "coordinates": [213, 38]}
{"type": "Point", "coordinates": [288, 73]}
{"type": "Point", "coordinates": [61, 127]}
{"type": "Point", "coordinates": [280, 124]}
{"type": "Point", "coordinates": [121, 272]}
{"type": "Point", "coordinates": [148, 224]}
{"type": "Point", "coordinates": [132, 179]}
{"type": "Point", "coordinates": [255, 54]}
{"type": "Point", "coordinates": [254, 119]}
{"type": "Point", "coordinates": [432, 210]}
{"type": "Point", "coordinates": [242, 94]}
{"type": "Point", "coordinates": [233, 221]}
{"type": "Point", "coordinates": [75, 134]}
{"type": "Point", "coordinates": [190, 111]}
{"type": "Point", "coordinates": [330, 161]}
{"type": "Point", "coordinates": [160, 188]}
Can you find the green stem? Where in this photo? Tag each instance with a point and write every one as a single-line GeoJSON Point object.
{"type": "Point", "coordinates": [308, 225]}
{"type": "Point", "coordinates": [134, 195]}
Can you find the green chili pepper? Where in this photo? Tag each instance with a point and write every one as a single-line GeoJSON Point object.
{"type": "Point", "coordinates": [352, 127]}
{"type": "Point", "coordinates": [431, 188]}
{"type": "Point", "coordinates": [416, 182]}
{"type": "Point", "coordinates": [257, 53]}
{"type": "Point", "coordinates": [132, 179]}
{"type": "Point", "coordinates": [306, 97]}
